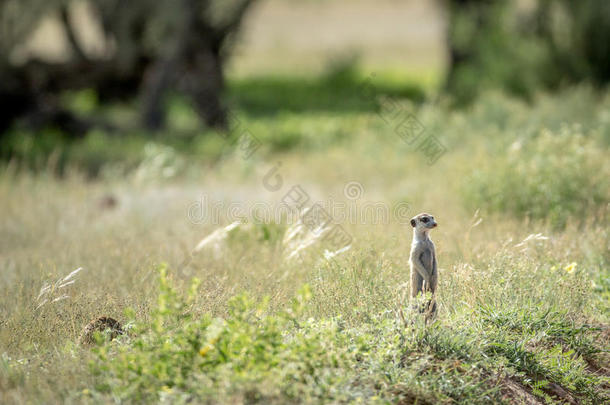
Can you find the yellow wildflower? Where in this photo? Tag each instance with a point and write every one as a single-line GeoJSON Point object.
{"type": "Point", "coordinates": [570, 268]}
{"type": "Point", "coordinates": [209, 346]}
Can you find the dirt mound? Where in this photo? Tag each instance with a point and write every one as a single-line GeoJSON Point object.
{"type": "Point", "coordinates": [101, 324]}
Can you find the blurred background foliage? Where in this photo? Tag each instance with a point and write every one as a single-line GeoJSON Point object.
{"type": "Point", "coordinates": [152, 85]}
{"type": "Point", "coordinates": [153, 58]}
{"type": "Point", "coordinates": [148, 51]}
{"type": "Point", "coordinates": [549, 44]}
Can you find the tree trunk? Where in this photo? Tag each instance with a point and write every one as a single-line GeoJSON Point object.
{"type": "Point", "coordinates": [205, 83]}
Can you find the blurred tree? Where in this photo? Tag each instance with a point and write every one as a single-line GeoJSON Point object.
{"type": "Point", "coordinates": [491, 45]}
{"type": "Point", "coordinates": [519, 49]}
{"type": "Point", "coordinates": [578, 36]}
{"type": "Point", "coordinates": [152, 47]}
{"type": "Point", "coordinates": [469, 20]}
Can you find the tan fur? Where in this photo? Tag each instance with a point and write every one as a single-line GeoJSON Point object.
{"type": "Point", "coordinates": [424, 271]}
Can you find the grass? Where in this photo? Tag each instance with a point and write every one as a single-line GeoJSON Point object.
{"type": "Point", "coordinates": [524, 300]}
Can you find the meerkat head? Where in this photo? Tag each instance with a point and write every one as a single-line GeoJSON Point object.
{"type": "Point", "coordinates": [423, 222]}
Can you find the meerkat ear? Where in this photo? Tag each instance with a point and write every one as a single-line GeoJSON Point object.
{"type": "Point", "coordinates": [413, 223]}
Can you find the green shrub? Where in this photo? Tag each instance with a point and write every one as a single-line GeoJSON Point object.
{"type": "Point", "coordinates": [551, 177]}
{"type": "Point", "coordinates": [250, 354]}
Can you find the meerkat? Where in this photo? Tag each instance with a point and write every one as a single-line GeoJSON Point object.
{"type": "Point", "coordinates": [424, 273]}
{"type": "Point", "coordinates": [100, 324]}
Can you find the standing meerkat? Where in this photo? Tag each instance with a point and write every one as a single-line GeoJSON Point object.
{"type": "Point", "coordinates": [424, 273]}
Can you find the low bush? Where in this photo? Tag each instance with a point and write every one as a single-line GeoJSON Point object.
{"type": "Point", "coordinates": [551, 177]}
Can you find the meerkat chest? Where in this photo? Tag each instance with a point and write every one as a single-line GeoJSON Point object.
{"type": "Point", "coordinates": [426, 257]}
{"type": "Point", "coordinates": [424, 252]}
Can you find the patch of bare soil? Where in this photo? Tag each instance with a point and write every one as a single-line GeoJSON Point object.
{"type": "Point", "coordinates": [516, 392]}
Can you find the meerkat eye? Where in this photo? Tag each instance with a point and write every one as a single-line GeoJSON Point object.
{"type": "Point", "coordinates": [424, 220]}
